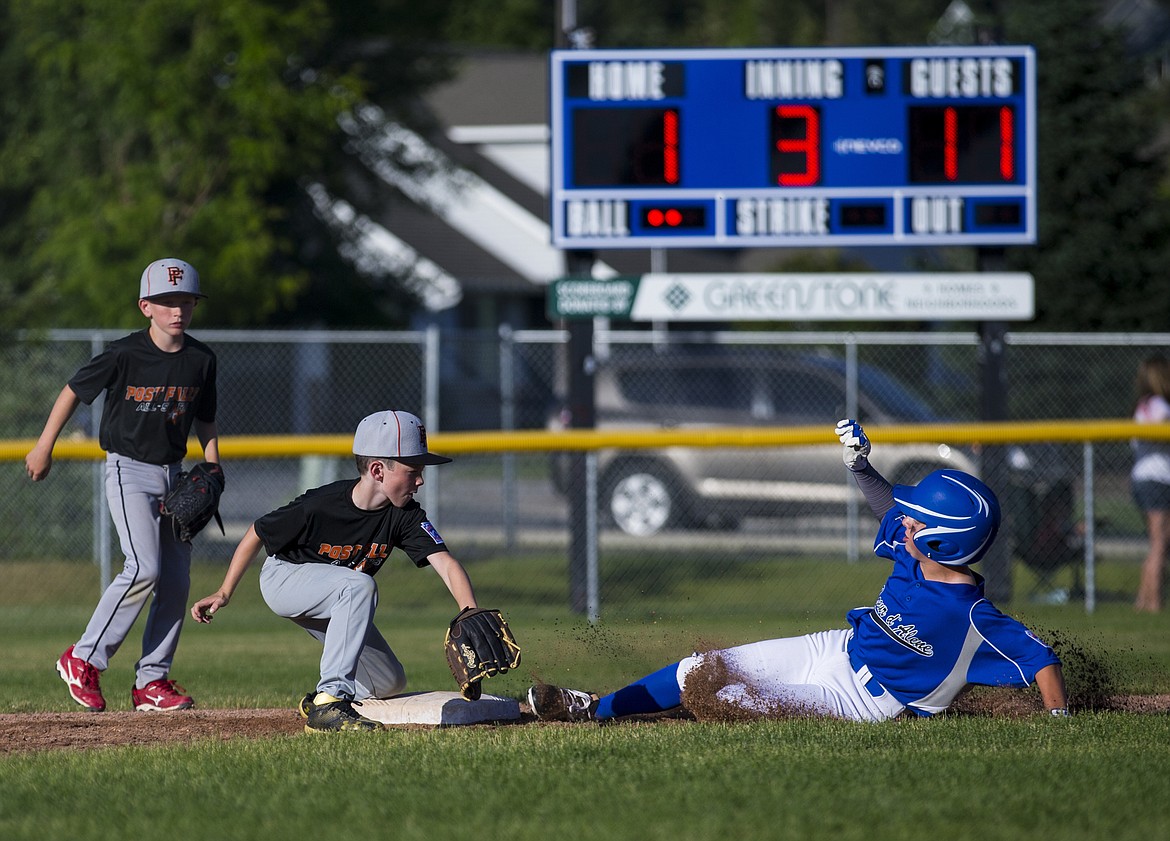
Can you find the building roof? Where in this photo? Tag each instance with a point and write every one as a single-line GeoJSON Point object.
{"type": "Point", "coordinates": [495, 89]}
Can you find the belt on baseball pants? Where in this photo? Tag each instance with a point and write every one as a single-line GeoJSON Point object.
{"type": "Point", "coordinates": [866, 676]}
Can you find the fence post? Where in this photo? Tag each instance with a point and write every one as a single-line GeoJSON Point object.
{"type": "Point", "coordinates": [581, 364]}
{"type": "Point", "coordinates": [101, 516]}
{"type": "Point", "coordinates": [852, 517]}
{"type": "Point", "coordinates": [508, 421]}
{"type": "Point", "coordinates": [1090, 532]}
{"type": "Point", "coordinates": [997, 565]}
{"type": "Point", "coordinates": [431, 420]}
{"type": "Point", "coordinates": [592, 564]}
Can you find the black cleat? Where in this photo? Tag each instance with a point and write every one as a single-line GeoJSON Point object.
{"type": "Point", "coordinates": [335, 714]}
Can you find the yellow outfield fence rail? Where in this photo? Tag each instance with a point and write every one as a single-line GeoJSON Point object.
{"type": "Point", "coordinates": [579, 440]}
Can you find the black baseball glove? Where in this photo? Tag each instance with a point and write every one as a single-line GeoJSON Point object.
{"type": "Point", "coordinates": [194, 500]}
{"type": "Point", "coordinates": [479, 644]}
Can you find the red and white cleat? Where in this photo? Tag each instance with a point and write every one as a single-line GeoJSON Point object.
{"type": "Point", "coordinates": [83, 681]}
{"type": "Point", "coordinates": [161, 696]}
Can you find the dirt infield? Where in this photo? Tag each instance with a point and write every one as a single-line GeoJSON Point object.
{"type": "Point", "coordinates": [23, 732]}
{"type": "Point", "coordinates": [33, 732]}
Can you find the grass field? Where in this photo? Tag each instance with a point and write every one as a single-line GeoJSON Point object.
{"type": "Point", "coordinates": [1094, 776]}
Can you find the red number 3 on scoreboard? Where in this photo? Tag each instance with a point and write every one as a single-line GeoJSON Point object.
{"type": "Point", "coordinates": [796, 145]}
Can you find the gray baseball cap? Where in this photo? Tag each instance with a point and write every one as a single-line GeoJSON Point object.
{"type": "Point", "coordinates": [397, 435]}
{"type": "Point", "coordinates": [167, 277]}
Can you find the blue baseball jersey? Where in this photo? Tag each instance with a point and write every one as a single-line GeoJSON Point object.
{"type": "Point", "coordinates": [925, 641]}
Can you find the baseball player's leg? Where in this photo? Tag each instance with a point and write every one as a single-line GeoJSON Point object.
{"type": "Point", "coordinates": [379, 672]}
{"type": "Point", "coordinates": [1150, 586]}
{"type": "Point", "coordinates": [770, 664]}
{"type": "Point", "coordinates": [662, 690]}
{"type": "Point", "coordinates": [809, 674]}
{"type": "Point", "coordinates": [335, 605]}
{"type": "Point", "coordinates": [132, 490]}
{"type": "Point", "coordinates": [760, 673]}
{"type": "Point", "coordinates": [656, 692]}
{"type": "Point", "coordinates": [164, 620]}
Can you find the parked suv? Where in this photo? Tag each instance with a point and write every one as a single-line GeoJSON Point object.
{"type": "Point", "coordinates": [644, 491]}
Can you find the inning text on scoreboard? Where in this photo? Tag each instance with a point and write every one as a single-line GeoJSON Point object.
{"type": "Point", "coordinates": [754, 148]}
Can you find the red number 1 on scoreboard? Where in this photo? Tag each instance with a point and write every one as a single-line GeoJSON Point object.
{"type": "Point", "coordinates": [796, 145]}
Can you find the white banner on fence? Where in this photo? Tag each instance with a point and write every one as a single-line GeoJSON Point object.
{"type": "Point", "coordinates": [834, 297]}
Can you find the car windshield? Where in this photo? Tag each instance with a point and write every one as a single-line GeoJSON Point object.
{"type": "Point", "coordinates": [884, 393]}
{"type": "Point", "coordinates": [891, 397]}
{"type": "Point", "coordinates": [792, 387]}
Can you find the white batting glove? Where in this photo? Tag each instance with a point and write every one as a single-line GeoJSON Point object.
{"type": "Point", "coordinates": [857, 447]}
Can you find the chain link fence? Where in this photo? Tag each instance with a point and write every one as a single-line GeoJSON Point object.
{"type": "Point", "coordinates": [680, 529]}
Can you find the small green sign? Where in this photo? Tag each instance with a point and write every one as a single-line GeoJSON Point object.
{"type": "Point", "coordinates": [586, 297]}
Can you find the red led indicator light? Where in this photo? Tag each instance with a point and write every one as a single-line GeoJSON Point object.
{"type": "Point", "coordinates": [680, 217]}
{"type": "Point", "coordinates": [1007, 133]}
{"type": "Point", "coordinates": [950, 144]}
{"type": "Point", "coordinates": [670, 147]}
{"type": "Point", "coordinates": [671, 217]}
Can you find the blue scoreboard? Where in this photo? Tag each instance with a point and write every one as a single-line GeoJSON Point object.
{"type": "Point", "coordinates": [793, 147]}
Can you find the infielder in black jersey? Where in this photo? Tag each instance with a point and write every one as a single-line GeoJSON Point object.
{"type": "Point", "coordinates": [323, 550]}
{"type": "Point", "coordinates": [159, 384]}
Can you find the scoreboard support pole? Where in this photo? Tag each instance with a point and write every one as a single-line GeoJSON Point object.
{"type": "Point", "coordinates": [997, 565]}
{"type": "Point", "coordinates": [580, 366]}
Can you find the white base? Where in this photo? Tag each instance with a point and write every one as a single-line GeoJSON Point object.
{"type": "Point", "coordinates": [438, 708]}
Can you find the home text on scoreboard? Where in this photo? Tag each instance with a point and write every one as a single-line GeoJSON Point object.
{"type": "Point", "coordinates": [754, 148]}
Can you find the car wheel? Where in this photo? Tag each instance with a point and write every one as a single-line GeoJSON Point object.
{"type": "Point", "coordinates": [640, 499]}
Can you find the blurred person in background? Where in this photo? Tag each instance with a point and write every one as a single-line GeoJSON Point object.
{"type": "Point", "coordinates": [1150, 477]}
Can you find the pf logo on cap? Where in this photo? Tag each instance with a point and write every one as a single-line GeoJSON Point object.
{"type": "Point", "coordinates": [167, 277]}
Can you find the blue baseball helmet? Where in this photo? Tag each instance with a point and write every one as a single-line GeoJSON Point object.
{"type": "Point", "coordinates": [961, 515]}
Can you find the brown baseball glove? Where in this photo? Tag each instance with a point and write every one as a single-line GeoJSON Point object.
{"type": "Point", "coordinates": [479, 644]}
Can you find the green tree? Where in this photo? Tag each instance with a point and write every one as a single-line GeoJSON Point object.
{"type": "Point", "coordinates": [134, 130]}
{"type": "Point", "coordinates": [1104, 223]}
{"type": "Point", "coordinates": [530, 24]}
{"type": "Point", "coordinates": [705, 23]}
{"type": "Point", "coordinates": [510, 24]}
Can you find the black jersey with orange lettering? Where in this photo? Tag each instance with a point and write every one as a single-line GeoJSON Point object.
{"type": "Point", "coordinates": [152, 397]}
{"type": "Point", "coordinates": [324, 526]}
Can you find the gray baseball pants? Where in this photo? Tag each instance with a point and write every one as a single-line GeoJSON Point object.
{"type": "Point", "coordinates": [336, 606]}
{"type": "Point", "coordinates": [156, 562]}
